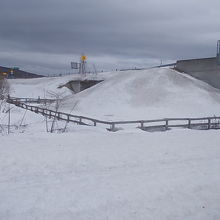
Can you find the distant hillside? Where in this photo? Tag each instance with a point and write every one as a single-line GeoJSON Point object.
{"type": "Point", "coordinates": [17, 73]}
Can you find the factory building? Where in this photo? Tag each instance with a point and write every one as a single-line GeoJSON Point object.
{"type": "Point", "coordinates": [205, 69]}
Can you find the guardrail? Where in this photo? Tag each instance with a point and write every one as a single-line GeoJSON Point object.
{"type": "Point", "coordinates": [147, 125]}
{"type": "Point", "coordinates": [33, 100]}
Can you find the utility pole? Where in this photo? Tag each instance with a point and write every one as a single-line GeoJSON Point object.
{"type": "Point", "coordinates": [80, 66]}
{"type": "Point", "coordinates": [82, 69]}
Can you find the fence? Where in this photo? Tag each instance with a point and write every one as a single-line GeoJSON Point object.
{"type": "Point", "coordinates": [147, 125]}
{"type": "Point", "coordinates": [32, 100]}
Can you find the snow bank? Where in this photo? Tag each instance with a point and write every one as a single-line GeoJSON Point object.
{"type": "Point", "coordinates": [147, 94]}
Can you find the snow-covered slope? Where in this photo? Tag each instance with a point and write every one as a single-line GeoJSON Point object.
{"type": "Point", "coordinates": [90, 173]}
{"type": "Point", "coordinates": [129, 95]}
{"type": "Point", "coordinates": [153, 93]}
{"type": "Point", "coordinates": [32, 88]}
{"type": "Point", "coordinates": [43, 86]}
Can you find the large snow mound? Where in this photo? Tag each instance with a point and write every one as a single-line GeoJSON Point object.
{"type": "Point", "coordinates": [147, 94]}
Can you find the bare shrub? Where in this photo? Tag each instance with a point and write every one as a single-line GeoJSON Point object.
{"type": "Point", "coordinates": [4, 89]}
{"type": "Point", "coordinates": [57, 97]}
{"type": "Point", "coordinates": [4, 93]}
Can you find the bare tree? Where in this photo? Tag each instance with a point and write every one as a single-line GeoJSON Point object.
{"type": "Point", "coordinates": [65, 127]}
{"type": "Point", "coordinates": [4, 88]}
{"type": "Point", "coordinates": [4, 93]}
{"type": "Point", "coordinates": [58, 97]}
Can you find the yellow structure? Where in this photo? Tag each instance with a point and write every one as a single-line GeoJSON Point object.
{"type": "Point", "coordinates": [3, 75]}
{"type": "Point", "coordinates": [83, 58]}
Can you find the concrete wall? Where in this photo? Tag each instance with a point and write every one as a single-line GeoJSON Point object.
{"type": "Point", "coordinates": [74, 86]}
{"type": "Point", "coordinates": [206, 69]}
{"type": "Point", "coordinates": [80, 85]}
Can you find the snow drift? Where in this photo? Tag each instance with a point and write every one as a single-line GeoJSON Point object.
{"type": "Point", "coordinates": [129, 95]}
{"type": "Point", "coordinates": [147, 94]}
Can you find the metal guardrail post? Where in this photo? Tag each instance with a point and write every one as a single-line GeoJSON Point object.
{"type": "Point", "coordinates": [209, 123]}
{"type": "Point", "coordinates": [166, 125]}
{"type": "Point", "coordinates": [112, 128]}
{"type": "Point", "coordinates": [189, 123]}
{"type": "Point", "coordinates": [80, 120]}
{"type": "Point", "coordinates": [142, 125]}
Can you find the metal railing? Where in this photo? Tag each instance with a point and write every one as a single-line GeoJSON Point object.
{"type": "Point", "coordinates": [147, 125]}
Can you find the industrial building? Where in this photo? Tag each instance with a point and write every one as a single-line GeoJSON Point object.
{"type": "Point", "coordinates": [205, 69]}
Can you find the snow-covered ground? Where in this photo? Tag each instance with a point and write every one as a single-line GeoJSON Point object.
{"type": "Point", "coordinates": [90, 173]}
{"type": "Point", "coordinates": [148, 94]}
{"type": "Point", "coordinates": [130, 95]}
{"type": "Point", "coordinates": [32, 88]}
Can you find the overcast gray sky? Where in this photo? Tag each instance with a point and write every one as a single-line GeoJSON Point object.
{"type": "Point", "coordinates": [43, 36]}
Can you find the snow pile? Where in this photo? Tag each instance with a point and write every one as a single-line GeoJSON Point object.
{"type": "Point", "coordinates": [147, 94]}
{"type": "Point", "coordinates": [129, 95]}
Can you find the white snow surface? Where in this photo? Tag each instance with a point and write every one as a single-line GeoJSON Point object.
{"type": "Point", "coordinates": [90, 173]}
{"type": "Point", "coordinates": [33, 88]}
{"type": "Point", "coordinates": [129, 95]}
{"type": "Point", "coordinates": [147, 94]}
{"type": "Point", "coordinates": [93, 174]}
{"type": "Point", "coordinates": [37, 87]}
